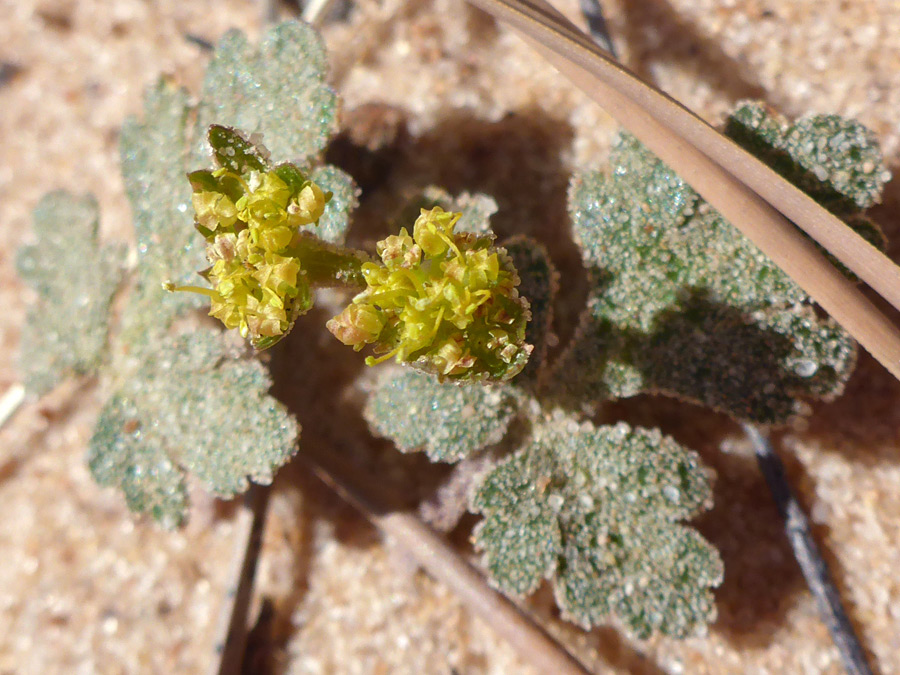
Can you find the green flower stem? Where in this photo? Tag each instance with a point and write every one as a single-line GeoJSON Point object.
{"type": "Point", "coordinates": [328, 265]}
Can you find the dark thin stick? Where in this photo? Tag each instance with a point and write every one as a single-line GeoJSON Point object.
{"type": "Point", "coordinates": [204, 44]}
{"type": "Point", "coordinates": [597, 27]}
{"type": "Point", "coordinates": [797, 529]}
{"type": "Point", "coordinates": [807, 552]}
{"type": "Point", "coordinates": [232, 630]}
{"type": "Point", "coordinates": [534, 644]}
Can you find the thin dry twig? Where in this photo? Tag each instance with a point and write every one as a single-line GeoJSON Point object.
{"type": "Point", "coordinates": [808, 555]}
{"type": "Point", "coordinates": [232, 629]}
{"type": "Point", "coordinates": [743, 189]}
{"type": "Point", "coordinates": [597, 27]}
{"type": "Point", "coordinates": [10, 402]}
{"type": "Point", "coordinates": [533, 644]}
{"type": "Point", "coordinates": [315, 11]}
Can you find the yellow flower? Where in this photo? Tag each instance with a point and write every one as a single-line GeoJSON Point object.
{"type": "Point", "coordinates": [445, 301]}
{"type": "Point", "coordinates": [250, 215]}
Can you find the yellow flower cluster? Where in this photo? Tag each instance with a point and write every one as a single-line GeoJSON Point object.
{"type": "Point", "coordinates": [444, 300]}
{"type": "Point", "coordinates": [251, 222]}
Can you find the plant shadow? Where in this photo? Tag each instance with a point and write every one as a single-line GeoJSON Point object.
{"type": "Point", "coordinates": [698, 350]}
{"type": "Point", "coordinates": [656, 33]}
{"type": "Point", "coordinates": [863, 424]}
{"type": "Point", "coordinates": [517, 160]}
{"type": "Point", "coordinates": [762, 578]}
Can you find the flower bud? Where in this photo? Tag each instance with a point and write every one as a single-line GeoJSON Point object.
{"type": "Point", "coordinates": [309, 205]}
{"type": "Point", "coordinates": [356, 326]}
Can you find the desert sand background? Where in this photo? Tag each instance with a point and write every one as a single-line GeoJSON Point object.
{"type": "Point", "coordinates": [85, 587]}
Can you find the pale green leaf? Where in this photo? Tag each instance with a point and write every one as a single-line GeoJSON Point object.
{"type": "Point", "coordinates": [276, 89]}
{"type": "Point", "coordinates": [449, 421]}
{"type": "Point", "coordinates": [190, 407]}
{"type": "Point", "coordinates": [153, 155]}
{"type": "Point", "coordinates": [65, 331]}
{"type": "Point", "coordinates": [335, 222]}
{"type": "Point", "coordinates": [122, 454]}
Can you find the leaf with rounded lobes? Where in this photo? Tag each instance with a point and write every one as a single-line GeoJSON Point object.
{"type": "Point", "coordinates": [597, 510]}
{"type": "Point", "coordinates": [684, 305]}
{"type": "Point", "coordinates": [153, 153]}
{"type": "Point", "coordinates": [450, 421]}
{"type": "Point", "coordinates": [190, 407]}
{"type": "Point", "coordinates": [836, 161]}
{"type": "Point", "coordinates": [276, 89]}
{"type": "Point", "coordinates": [65, 332]}
{"type": "Point", "coordinates": [121, 455]}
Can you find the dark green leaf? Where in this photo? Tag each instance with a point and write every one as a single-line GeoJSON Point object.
{"type": "Point", "coordinates": [597, 510]}
{"type": "Point", "coordinates": [539, 283]}
{"type": "Point", "coordinates": [836, 161]}
{"type": "Point", "coordinates": [236, 153]}
{"type": "Point", "coordinates": [684, 305]}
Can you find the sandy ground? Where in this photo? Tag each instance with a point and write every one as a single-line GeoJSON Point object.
{"type": "Point", "coordinates": [87, 588]}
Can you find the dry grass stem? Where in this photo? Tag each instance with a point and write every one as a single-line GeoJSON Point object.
{"type": "Point", "coordinates": [809, 557]}
{"type": "Point", "coordinates": [443, 563]}
{"type": "Point", "coordinates": [740, 187]}
{"type": "Point", "coordinates": [10, 402]}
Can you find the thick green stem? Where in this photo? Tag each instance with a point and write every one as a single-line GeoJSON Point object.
{"type": "Point", "coordinates": [328, 265]}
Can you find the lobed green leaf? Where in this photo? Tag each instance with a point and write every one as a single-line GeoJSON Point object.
{"type": "Point", "coordinates": [153, 154]}
{"type": "Point", "coordinates": [190, 407]}
{"type": "Point", "coordinates": [276, 89]}
{"type": "Point", "coordinates": [596, 510]}
{"type": "Point", "coordinates": [449, 421]}
{"type": "Point", "coordinates": [539, 282]}
{"type": "Point", "coordinates": [684, 305]}
{"type": "Point", "coordinates": [65, 331]}
{"type": "Point", "coordinates": [836, 161]}
{"type": "Point", "coordinates": [335, 222]}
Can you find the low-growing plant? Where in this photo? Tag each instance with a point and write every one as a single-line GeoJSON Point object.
{"type": "Point", "coordinates": [679, 304]}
